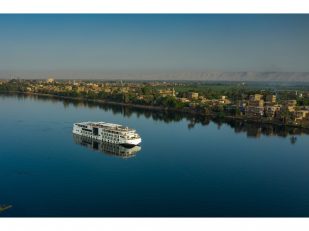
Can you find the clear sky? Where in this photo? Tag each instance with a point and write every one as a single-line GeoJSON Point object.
{"type": "Point", "coordinates": [154, 43]}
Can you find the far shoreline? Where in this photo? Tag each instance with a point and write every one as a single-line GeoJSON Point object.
{"type": "Point", "coordinates": [157, 108]}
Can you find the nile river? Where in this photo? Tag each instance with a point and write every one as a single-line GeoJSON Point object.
{"type": "Point", "coordinates": [184, 167]}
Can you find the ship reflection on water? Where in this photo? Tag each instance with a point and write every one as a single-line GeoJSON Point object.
{"type": "Point", "coordinates": [107, 148]}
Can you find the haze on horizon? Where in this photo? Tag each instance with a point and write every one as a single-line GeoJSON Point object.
{"type": "Point", "coordinates": [98, 45]}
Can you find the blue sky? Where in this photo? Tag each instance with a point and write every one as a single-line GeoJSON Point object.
{"type": "Point", "coordinates": [120, 43]}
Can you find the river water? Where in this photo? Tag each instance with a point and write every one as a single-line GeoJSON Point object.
{"type": "Point", "coordinates": [185, 166]}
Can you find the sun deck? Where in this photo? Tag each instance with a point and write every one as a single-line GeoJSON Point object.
{"type": "Point", "coordinates": [108, 126]}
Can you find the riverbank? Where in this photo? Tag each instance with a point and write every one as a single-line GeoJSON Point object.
{"type": "Point", "coordinates": [158, 108]}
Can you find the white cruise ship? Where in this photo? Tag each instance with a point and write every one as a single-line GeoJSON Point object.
{"type": "Point", "coordinates": [108, 132]}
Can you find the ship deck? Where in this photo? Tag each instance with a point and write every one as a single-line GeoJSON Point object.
{"type": "Point", "coordinates": [109, 126]}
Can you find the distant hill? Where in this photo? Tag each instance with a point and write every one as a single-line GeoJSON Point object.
{"type": "Point", "coordinates": [201, 76]}
{"type": "Point", "coordinates": [226, 76]}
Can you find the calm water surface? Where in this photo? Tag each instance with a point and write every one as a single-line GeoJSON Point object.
{"type": "Point", "coordinates": [183, 168]}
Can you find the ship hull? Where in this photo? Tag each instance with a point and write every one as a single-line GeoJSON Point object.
{"type": "Point", "coordinates": [132, 142]}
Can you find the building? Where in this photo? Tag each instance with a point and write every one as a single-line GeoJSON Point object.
{"type": "Point", "coordinates": [292, 102]}
{"type": "Point", "coordinates": [289, 105]}
{"type": "Point", "coordinates": [107, 90]}
{"type": "Point", "coordinates": [80, 89]}
{"type": "Point", "coordinates": [225, 100]}
{"type": "Point", "coordinates": [192, 95]}
{"type": "Point", "coordinates": [183, 100]}
{"type": "Point", "coordinates": [124, 89]}
{"type": "Point", "coordinates": [167, 92]}
{"type": "Point", "coordinates": [255, 107]}
{"type": "Point", "coordinates": [241, 105]}
{"type": "Point", "coordinates": [254, 111]}
{"type": "Point", "coordinates": [256, 103]}
{"type": "Point", "coordinates": [256, 100]}
{"type": "Point", "coordinates": [255, 97]}
{"type": "Point", "coordinates": [50, 80]}
{"type": "Point", "coordinates": [68, 88]}
{"type": "Point", "coordinates": [300, 115]}
{"type": "Point", "coordinates": [307, 117]}
{"type": "Point", "coordinates": [271, 98]}
{"type": "Point", "coordinates": [270, 111]}
{"type": "Point", "coordinates": [204, 100]}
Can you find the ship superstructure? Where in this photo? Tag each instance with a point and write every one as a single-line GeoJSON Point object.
{"type": "Point", "coordinates": [108, 132]}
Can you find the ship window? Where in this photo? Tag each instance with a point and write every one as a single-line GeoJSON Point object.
{"type": "Point", "coordinates": [86, 129]}
{"type": "Point", "coordinates": [95, 131]}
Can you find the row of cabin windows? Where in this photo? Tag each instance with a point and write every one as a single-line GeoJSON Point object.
{"type": "Point", "coordinates": [86, 132]}
{"type": "Point", "coordinates": [82, 126]}
{"type": "Point", "coordinates": [108, 136]}
{"type": "Point", "coordinates": [112, 139]}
